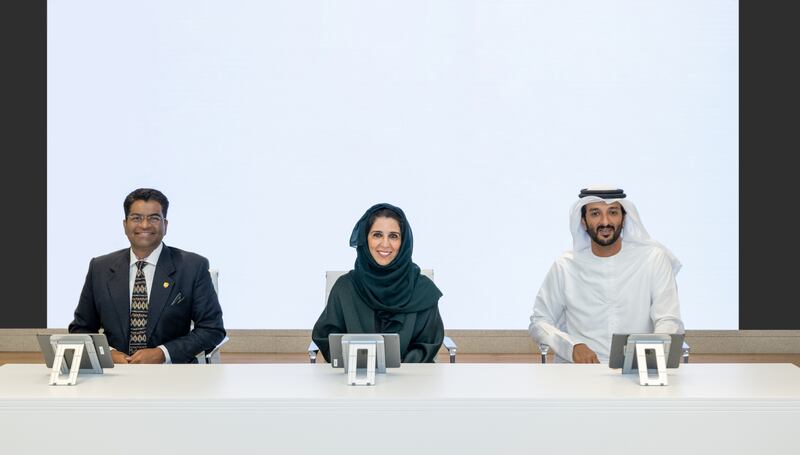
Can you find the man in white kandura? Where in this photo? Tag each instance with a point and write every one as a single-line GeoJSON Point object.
{"type": "Point", "coordinates": [616, 279]}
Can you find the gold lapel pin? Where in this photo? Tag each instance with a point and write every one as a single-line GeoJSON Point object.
{"type": "Point", "coordinates": [166, 284]}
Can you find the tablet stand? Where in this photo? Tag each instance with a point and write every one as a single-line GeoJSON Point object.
{"type": "Point", "coordinates": [370, 348]}
{"type": "Point", "coordinates": [77, 346]}
{"type": "Point", "coordinates": [641, 348]}
{"type": "Point", "coordinates": [361, 376]}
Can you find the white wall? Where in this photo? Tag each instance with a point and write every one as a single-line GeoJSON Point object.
{"type": "Point", "coordinates": [272, 126]}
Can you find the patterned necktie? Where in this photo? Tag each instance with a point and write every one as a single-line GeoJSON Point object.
{"type": "Point", "coordinates": [138, 311]}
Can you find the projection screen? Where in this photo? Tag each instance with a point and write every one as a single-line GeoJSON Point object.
{"type": "Point", "coordinates": [272, 126]}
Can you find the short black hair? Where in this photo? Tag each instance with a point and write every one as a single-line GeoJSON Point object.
{"type": "Point", "coordinates": [145, 194]}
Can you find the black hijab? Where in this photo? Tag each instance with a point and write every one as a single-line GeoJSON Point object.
{"type": "Point", "coordinates": [396, 287]}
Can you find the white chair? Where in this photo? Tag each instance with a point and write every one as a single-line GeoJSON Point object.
{"type": "Point", "coordinates": [212, 356]}
{"type": "Point", "coordinates": [330, 279]}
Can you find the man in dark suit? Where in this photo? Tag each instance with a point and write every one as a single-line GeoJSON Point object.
{"type": "Point", "coordinates": [145, 297]}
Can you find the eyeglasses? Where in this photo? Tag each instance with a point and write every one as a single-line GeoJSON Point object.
{"type": "Point", "coordinates": [152, 219]}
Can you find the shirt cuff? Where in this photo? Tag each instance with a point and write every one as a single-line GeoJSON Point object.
{"type": "Point", "coordinates": [166, 353]}
{"type": "Point", "coordinates": [569, 352]}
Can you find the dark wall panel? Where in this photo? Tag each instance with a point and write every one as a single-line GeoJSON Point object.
{"type": "Point", "coordinates": [23, 208]}
{"type": "Point", "coordinates": [768, 207]}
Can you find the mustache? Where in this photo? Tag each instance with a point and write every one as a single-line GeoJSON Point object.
{"type": "Point", "coordinates": [608, 226]}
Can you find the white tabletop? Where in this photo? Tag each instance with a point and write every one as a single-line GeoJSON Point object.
{"type": "Point", "coordinates": [450, 408]}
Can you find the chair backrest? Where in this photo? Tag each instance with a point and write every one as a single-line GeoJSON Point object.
{"type": "Point", "coordinates": [332, 275]}
{"type": "Point", "coordinates": [214, 279]}
{"type": "Point", "coordinates": [213, 356]}
{"type": "Point", "coordinates": [214, 282]}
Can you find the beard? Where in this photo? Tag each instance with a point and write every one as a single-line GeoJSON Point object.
{"type": "Point", "coordinates": [603, 242]}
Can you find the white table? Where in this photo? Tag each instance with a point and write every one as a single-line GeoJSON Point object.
{"type": "Point", "coordinates": [416, 409]}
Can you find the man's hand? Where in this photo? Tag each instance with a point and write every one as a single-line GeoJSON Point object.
{"type": "Point", "coordinates": [582, 354]}
{"type": "Point", "coordinates": [149, 355]}
{"type": "Point", "coordinates": [118, 357]}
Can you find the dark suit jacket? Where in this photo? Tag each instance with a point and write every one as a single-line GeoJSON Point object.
{"type": "Point", "coordinates": [182, 292]}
